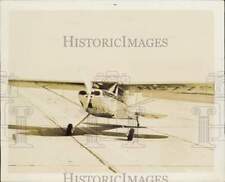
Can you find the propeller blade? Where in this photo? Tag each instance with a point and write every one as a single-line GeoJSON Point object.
{"type": "Point", "coordinates": [88, 84]}
{"type": "Point", "coordinates": [88, 100]}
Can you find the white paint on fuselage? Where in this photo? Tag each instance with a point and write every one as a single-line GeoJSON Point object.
{"type": "Point", "coordinates": [105, 106]}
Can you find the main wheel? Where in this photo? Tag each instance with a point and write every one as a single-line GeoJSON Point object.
{"type": "Point", "coordinates": [130, 135]}
{"type": "Point", "coordinates": [69, 130]}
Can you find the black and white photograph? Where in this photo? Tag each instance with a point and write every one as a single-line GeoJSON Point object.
{"type": "Point", "coordinates": [113, 89]}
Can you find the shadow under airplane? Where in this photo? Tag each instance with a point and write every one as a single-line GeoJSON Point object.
{"type": "Point", "coordinates": [92, 129]}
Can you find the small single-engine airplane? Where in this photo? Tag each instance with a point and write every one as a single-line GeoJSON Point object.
{"type": "Point", "coordinates": [109, 102]}
{"type": "Point", "coordinates": [107, 99]}
{"type": "Point", "coordinates": [110, 99]}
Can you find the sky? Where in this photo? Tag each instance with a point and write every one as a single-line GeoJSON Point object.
{"type": "Point", "coordinates": [36, 50]}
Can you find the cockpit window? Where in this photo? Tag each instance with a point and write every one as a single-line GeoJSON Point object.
{"type": "Point", "coordinates": [96, 92]}
{"type": "Point", "coordinates": [82, 92]}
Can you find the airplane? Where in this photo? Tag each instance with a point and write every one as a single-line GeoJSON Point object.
{"type": "Point", "coordinates": [100, 101]}
{"type": "Point", "coordinates": [106, 99]}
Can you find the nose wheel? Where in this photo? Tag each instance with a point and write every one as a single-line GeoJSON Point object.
{"type": "Point", "coordinates": [69, 130]}
{"type": "Point", "coordinates": [130, 135]}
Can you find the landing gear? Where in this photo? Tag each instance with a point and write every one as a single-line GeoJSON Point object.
{"type": "Point", "coordinates": [69, 130]}
{"type": "Point", "coordinates": [138, 124]}
{"type": "Point", "coordinates": [130, 135]}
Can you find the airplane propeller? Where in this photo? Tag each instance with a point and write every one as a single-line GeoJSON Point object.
{"type": "Point", "coordinates": [88, 84]}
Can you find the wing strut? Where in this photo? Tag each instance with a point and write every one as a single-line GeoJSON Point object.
{"type": "Point", "coordinates": [81, 121]}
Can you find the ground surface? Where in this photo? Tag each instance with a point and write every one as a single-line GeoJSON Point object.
{"type": "Point", "coordinates": [37, 143]}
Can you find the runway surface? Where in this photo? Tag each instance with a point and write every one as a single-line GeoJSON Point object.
{"type": "Point", "coordinates": [37, 141]}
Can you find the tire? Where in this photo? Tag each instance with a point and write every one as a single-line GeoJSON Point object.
{"type": "Point", "coordinates": [130, 135]}
{"type": "Point", "coordinates": [69, 129]}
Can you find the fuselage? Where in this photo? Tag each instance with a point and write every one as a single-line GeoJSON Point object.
{"type": "Point", "coordinates": [103, 103]}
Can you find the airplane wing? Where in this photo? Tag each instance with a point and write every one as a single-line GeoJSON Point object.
{"type": "Point", "coordinates": [199, 92]}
